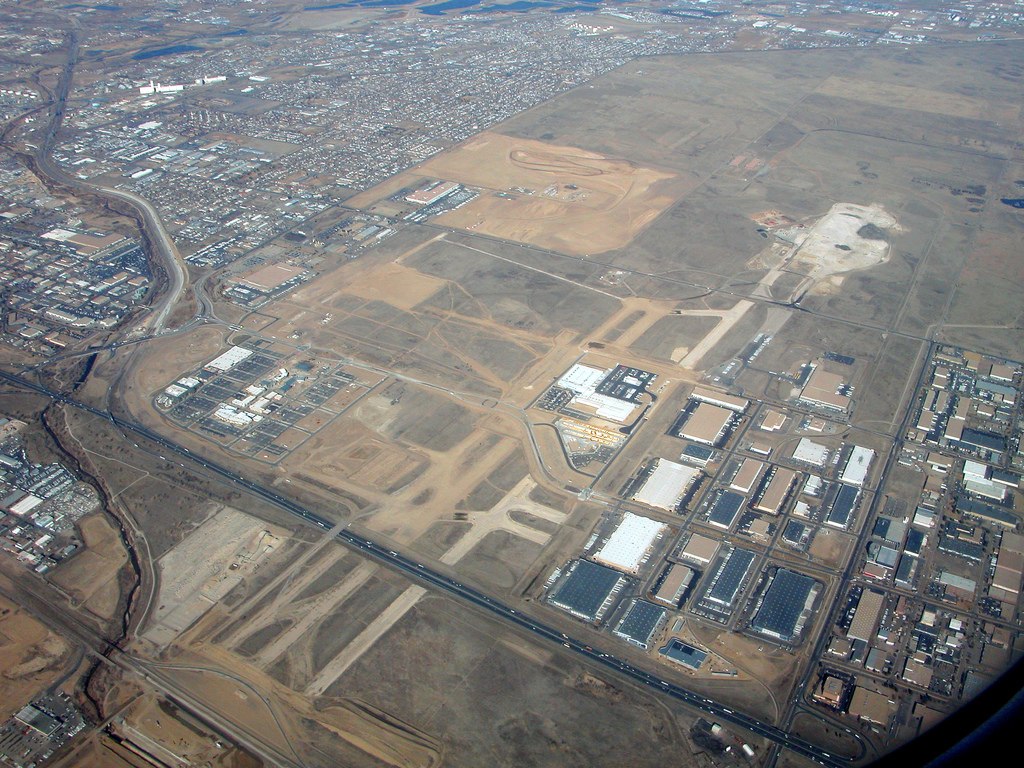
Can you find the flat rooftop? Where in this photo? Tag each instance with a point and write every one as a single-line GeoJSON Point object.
{"type": "Point", "coordinates": [783, 605]}
{"type": "Point", "coordinates": [629, 543]}
{"type": "Point", "coordinates": [586, 590]}
{"type": "Point", "coordinates": [666, 485]}
{"type": "Point", "coordinates": [777, 491]}
{"type": "Point", "coordinates": [730, 576]}
{"type": "Point", "coordinates": [640, 622]}
{"type": "Point", "coordinates": [700, 549]}
{"type": "Point", "coordinates": [725, 509]}
{"type": "Point", "coordinates": [706, 423]}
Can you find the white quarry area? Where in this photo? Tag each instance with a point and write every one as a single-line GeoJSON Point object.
{"type": "Point", "coordinates": [833, 246]}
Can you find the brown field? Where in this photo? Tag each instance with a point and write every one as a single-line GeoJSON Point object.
{"type": "Point", "coordinates": [30, 656]}
{"type": "Point", "coordinates": [910, 97]}
{"type": "Point", "coordinates": [91, 577]}
{"type": "Point", "coordinates": [580, 202]}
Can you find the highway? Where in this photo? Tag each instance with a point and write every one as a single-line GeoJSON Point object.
{"type": "Point", "coordinates": [445, 583]}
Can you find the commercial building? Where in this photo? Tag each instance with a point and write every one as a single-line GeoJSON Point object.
{"type": "Point", "coordinates": [641, 620]}
{"type": "Point", "coordinates": [857, 466]}
{"type": "Point", "coordinates": [699, 549]}
{"type": "Point", "coordinates": [776, 491]}
{"type": "Point", "coordinates": [785, 605]}
{"type": "Point", "coordinates": [673, 583]}
{"type": "Point", "coordinates": [432, 192]}
{"type": "Point", "coordinates": [707, 424]}
{"type": "Point", "coordinates": [683, 653]}
{"type": "Point", "coordinates": [725, 508]}
{"type": "Point", "coordinates": [865, 618]}
{"type": "Point", "coordinates": [587, 590]}
{"type": "Point", "coordinates": [667, 485]}
{"type": "Point", "coordinates": [871, 707]}
{"type": "Point", "coordinates": [629, 543]}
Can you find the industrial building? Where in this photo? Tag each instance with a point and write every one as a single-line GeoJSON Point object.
{"type": "Point", "coordinates": [727, 583]}
{"type": "Point", "coordinates": [229, 359]}
{"type": "Point", "coordinates": [706, 395]}
{"type": "Point", "coordinates": [776, 491]}
{"type": "Point", "coordinates": [825, 390]}
{"type": "Point", "coordinates": [785, 605]}
{"type": "Point", "coordinates": [858, 464]}
{"type": "Point", "coordinates": [699, 549]}
{"type": "Point", "coordinates": [724, 509]}
{"type": "Point", "coordinates": [865, 617]}
{"type": "Point", "coordinates": [667, 485]}
{"type": "Point", "coordinates": [583, 381]}
{"type": "Point", "coordinates": [809, 452]}
{"type": "Point", "coordinates": [587, 590]}
{"type": "Point", "coordinates": [673, 583]}
{"type": "Point", "coordinates": [746, 475]}
{"type": "Point", "coordinates": [843, 507]}
{"type": "Point", "coordinates": [706, 424]}
{"type": "Point", "coordinates": [631, 541]}
{"type": "Point", "coordinates": [641, 620]}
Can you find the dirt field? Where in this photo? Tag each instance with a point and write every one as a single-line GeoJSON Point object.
{"type": "Point", "coordinates": [563, 198]}
{"type": "Point", "coordinates": [30, 657]}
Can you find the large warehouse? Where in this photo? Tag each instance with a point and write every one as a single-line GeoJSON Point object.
{"type": "Point", "coordinates": [640, 623]}
{"type": "Point", "coordinates": [776, 491]}
{"type": "Point", "coordinates": [629, 543]}
{"type": "Point", "coordinates": [726, 583]}
{"type": "Point", "coordinates": [667, 485]}
{"type": "Point", "coordinates": [587, 590]}
{"type": "Point", "coordinates": [707, 424]}
{"type": "Point", "coordinates": [785, 605]}
{"type": "Point", "coordinates": [724, 509]}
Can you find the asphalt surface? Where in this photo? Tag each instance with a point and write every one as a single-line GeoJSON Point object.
{"type": "Point", "coordinates": [441, 581]}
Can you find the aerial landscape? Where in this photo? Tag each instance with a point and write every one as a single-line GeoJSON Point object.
{"type": "Point", "coordinates": [429, 383]}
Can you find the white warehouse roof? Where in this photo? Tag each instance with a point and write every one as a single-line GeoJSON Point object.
{"type": "Point", "coordinates": [229, 359]}
{"type": "Point", "coordinates": [666, 484]}
{"type": "Point", "coordinates": [856, 470]}
{"type": "Point", "coordinates": [629, 543]}
{"type": "Point", "coordinates": [810, 452]}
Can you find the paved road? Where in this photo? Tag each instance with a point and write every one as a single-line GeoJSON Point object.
{"type": "Point", "coordinates": [445, 583]}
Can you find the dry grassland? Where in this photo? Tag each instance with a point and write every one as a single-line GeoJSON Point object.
{"type": "Point", "coordinates": [91, 577]}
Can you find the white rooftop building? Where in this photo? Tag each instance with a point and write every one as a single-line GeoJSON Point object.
{"type": "Point", "coordinates": [666, 485]}
{"type": "Point", "coordinates": [857, 466]}
{"type": "Point", "coordinates": [583, 380]}
{"type": "Point", "coordinates": [810, 452]}
{"type": "Point", "coordinates": [229, 359]}
{"type": "Point", "coordinates": [629, 544]}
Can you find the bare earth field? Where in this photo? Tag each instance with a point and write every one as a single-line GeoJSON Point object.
{"type": "Point", "coordinates": [894, 235]}
{"type": "Point", "coordinates": [30, 657]}
{"type": "Point", "coordinates": [561, 198]}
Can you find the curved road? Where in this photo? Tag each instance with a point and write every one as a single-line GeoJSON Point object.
{"type": "Point", "coordinates": [445, 583]}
